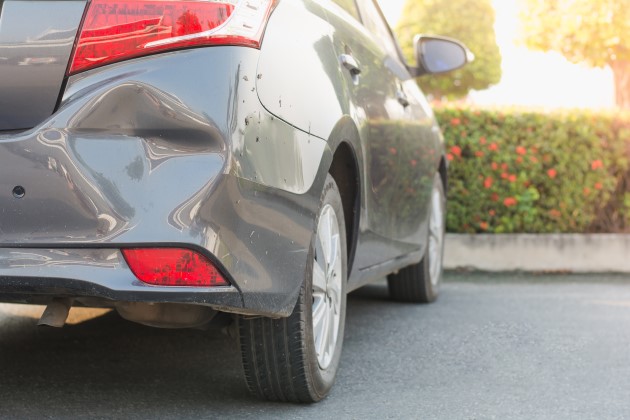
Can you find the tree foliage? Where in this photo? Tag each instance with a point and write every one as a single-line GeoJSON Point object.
{"type": "Point", "coordinates": [594, 32]}
{"type": "Point", "coordinates": [470, 21]}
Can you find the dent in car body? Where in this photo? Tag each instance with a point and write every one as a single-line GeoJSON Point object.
{"type": "Point", "coordinates": [135, 156]}
{"type": "Point", "coordinates": [233, 166]}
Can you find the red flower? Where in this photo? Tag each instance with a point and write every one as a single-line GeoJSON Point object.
{"type": "Point", "coordinates": [492, 213]}
{"type": "Point", "coordinates": [457, 151]}
{"type": "Point", "coordinates": [413, 162]}
{"type": "Point", "coordinates": [494, 197]}
{"type": "Point", "coordinates": [493, 147]}
{"type": "Point", "coordinates": [455, 121]}
{"type": "Point", "coordinates": [552, 173]}
{"type": "Point", "coordinates": [509, 202]}
{"type": "Point", "coordinates": [598, 186]}
{"type": "Point", "coordinates": [504, 166]}
{"type": "Point", "coordinates": [483, 225]}
{"type": "Point", "coordinates": [586, 191]}
{"type": "Point", "coordinates": [521, 150]}
{"type": "Point", "coordinates": [479, 153]}
{"type": "Point", "coordinates": [505, 175]}
{"type": "Point", "coordinates": [596, 164]}
{"type": "Point", "coordinates": [494, 166]}
{"type": "Point", "coordinates": [482, 140]}
{"type": "Point", "coordinates": [512, 178]}
{"type": "Point", "coordinates": [488, 182]}
{"type": "Point", "coordinates": [534, 159]}
{"type": "Point", "coordinates": [519, 159]}
{"type": "Point", "coordinates": [393, 150]}
{"type": "Point", "coordinates": [449, 157]}
{"type": "Point", "coordinates": [555, 213]}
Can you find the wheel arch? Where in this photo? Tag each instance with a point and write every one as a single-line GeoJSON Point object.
{"type": "Point", "coordinates": [345, 168]}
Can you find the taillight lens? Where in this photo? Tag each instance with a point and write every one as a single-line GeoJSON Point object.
{"type": "Point", "coordinates": [115, 30]}
{"type": "Point", "coordinates": [173, 267]}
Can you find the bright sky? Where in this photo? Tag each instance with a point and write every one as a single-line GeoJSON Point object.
{"type": "Point", "coordinates": [533, 78]}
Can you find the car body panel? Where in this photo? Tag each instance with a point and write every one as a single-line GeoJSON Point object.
{"type": "Point", "coordinates": [395, 138]}
{"type": "Point", "coordinates": [224, 150]}
{"type": "Point", "coordinates": [36, 39]}
{"type": "Point", "coordinates": [134, 156]}
{"type": "Point", "coordinates": [298, 36]}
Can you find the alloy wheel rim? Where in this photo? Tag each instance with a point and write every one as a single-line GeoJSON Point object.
{"type": "Point", "coordinates": [327, 278]}
{"type": "Point", "coordinates": [436, 236]}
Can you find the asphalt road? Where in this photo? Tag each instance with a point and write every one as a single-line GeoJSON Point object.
{"type": "Point", "coordinates": [501, 346]}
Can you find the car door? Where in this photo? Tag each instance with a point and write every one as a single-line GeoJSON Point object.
{"type": "Point", "coordinates": [398, 138]}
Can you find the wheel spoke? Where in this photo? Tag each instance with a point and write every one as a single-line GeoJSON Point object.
{"type": "Point", "coordinates": [319, 278]}
{"type": "Point", "coordinates": [334, 293]}
{"type": "Point", "coordinates": [324, 237]}
{"type": "Point", "coordinates": [319, 313]}
{"type": "Point", "coordinates": [321, 340]}
{"type": "Point", "coordinates": [334, 254]}
{"type": "Point", "coordinates": [332, 331]}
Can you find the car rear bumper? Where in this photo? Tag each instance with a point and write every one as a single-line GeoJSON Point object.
{"type": "Point", "coordinates": [35, 275]}
{"type": "Point", "coordinates": [168, 150]}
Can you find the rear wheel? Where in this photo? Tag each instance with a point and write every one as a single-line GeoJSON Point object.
{"type": "Point", "coordinates": [296, 358]}
{"type": "Point", "coordinates": [421, 282]}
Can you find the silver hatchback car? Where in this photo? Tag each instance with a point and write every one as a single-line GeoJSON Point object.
{"type": "Point", "coordinates": [179, 160]}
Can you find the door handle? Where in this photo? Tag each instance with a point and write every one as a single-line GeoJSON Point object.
{"type": "Point", "coordinates": [350, 64]}
{"type": "Point", "coordinates": [402, 98]}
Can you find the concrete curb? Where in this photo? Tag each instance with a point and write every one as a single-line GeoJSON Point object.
{"type": "Point", "coordinates": [598, 253]}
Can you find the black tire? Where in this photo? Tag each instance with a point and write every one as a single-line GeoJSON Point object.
{"type": "Point", "coordinates": [279, 356]}
{"type": "Point", "coordinates": [414, 283]}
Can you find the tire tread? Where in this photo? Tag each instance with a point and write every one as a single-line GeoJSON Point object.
{"type": "Point", "coordinates": [277, 361]}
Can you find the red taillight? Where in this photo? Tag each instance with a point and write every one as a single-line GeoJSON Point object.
{"type": "Point", "coordinates": [115, 30]}
{"type": "Point", "coordinates": [173, 267]}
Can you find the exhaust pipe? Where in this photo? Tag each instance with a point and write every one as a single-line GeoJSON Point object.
{"type": "Point", "coordinates": [56, 313]}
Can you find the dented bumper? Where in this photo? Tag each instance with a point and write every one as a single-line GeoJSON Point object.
{"type": "Point", "coordinates": [168, 150]}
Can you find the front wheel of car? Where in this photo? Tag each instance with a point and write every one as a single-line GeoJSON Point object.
{"type": "Point", "coordinates": [295, 359]}
{"type": "Point", "coordinates": [421, 282]}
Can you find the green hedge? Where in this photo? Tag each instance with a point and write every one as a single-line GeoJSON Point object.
{"type": "Point", "coordinates": [514, 172]}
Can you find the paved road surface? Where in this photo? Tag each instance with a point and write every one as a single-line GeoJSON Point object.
{"type": "Point", "coordinates": [501, 346]}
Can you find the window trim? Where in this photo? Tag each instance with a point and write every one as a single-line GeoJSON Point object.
{"type": "Point", "coordinates": [400, 56]}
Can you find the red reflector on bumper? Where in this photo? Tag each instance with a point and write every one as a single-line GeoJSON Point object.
{"type": "Point", "coordinates": [173, 267]}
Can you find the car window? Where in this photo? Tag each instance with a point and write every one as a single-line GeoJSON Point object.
{"type": "Point", "coordinates": [374, 23]}
{"type": "Point", "coordinates": [349, 6]}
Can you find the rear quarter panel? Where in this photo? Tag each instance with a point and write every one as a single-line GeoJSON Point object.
{"type": "Point", "coordinates": [299, 77]}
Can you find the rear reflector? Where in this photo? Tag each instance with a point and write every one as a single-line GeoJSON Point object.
{"type": "Point", "coordinates": [173, 267]}
{"type": "Point", "coordinates": [115, 30]}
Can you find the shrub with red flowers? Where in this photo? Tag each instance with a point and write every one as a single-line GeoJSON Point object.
{"type": "Point", "coordinates": [513, 171]}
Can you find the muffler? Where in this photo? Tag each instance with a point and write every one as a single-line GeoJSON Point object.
{"type": "Point", "coordinates": [56, 313]}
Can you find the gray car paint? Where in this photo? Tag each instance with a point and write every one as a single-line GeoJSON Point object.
{"type": "Point", "coordinates": [394, 209]}
{"type": "Point", "coordinates": [218, 149]}
{"type": "Point", "coordinates": [135, 157]}
{"type": "Point", "coordinates": [36, 39]}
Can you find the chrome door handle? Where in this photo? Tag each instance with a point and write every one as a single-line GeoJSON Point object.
{"type": "Point", "coordinates": [350, 64]}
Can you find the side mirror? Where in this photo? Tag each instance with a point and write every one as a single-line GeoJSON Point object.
{"type": "Point", "coordinates": [436, 54]}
